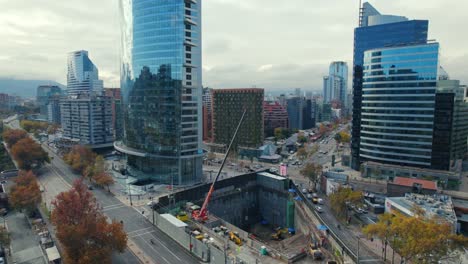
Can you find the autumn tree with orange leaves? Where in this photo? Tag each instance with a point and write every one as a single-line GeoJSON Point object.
{"type": "Point", "coordinates": [83, 230]}
{"type": "Point", "coordinates": [11, 136]}
{"type": "Point", "coordinates": [25, 194]}
{"type": "Point", "coordinates": [29, 154]}
{"type": "Point", "coordinates": [79, 158]}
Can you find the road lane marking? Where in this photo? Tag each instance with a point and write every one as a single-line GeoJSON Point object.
{"type": "Point", "coordinates": [138, 230]}
{"type": "Point", "coordinates": [157, 252]}
{"type": "Point", "coordinates": [137, 235]}
{"type": "Point", "coordinates": [113, 207]}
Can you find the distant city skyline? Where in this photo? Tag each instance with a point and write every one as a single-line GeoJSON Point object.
{"type": "Point", "coordinates": [235, 53]}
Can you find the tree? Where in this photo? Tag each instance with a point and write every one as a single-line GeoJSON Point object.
{"type": "Point", "coordinates": [302, 139]}
{"type": "Point", "coordinates": [29, 154]}
{"type": "Point", "coordinates": [278, 133]}
{"type": "Point", "coordinates": [341, 198]}
{"type": "Point", "coordinates": [314, 149]}
{"type": "Point", "coordinates": [95, 168]}
{"type": "Point", "coordinates": [322, 129]}
{"type": "Point", "coordinates": [344, 137]}
{"type": "Point", "coordinates": [25, 194]}
{"type": "Point", "coordinates": [33, 126]}
{"type": "Point", "coordinates": [83, 230]}
{"type": "Point", "coordinates": [337, 137]}
{"type": "Point", "coordinates": [312, 171]}
{"type": "Point", "coordinates": [302, 153]}
{"type": "Point", "coordinates": [79, 158]}
{"type": "Point", "coordinates": [104, 179]}
{"type": "Point", "coordinates": [52, 129]}
{"type": "Point", "coordinates": [417, 239]}
{"type": "Point", "coordinates": [4, 237]}
{"type": "Point", "coordinates": [11, 136]}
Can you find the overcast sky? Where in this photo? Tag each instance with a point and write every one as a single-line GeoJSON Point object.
{"type": "Point", "coordinates": [274, 44]}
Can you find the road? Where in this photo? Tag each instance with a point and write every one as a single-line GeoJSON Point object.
{"type": "Point", "coordinates": [139, 230]}
{"type": "Point", "coordinates": [57, 177]}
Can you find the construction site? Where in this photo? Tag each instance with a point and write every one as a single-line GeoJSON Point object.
{"type": "Point", "coordinates": [250, 218]}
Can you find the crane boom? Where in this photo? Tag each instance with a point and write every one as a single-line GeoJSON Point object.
{"type": "Point", "coordinates": [201, 215]}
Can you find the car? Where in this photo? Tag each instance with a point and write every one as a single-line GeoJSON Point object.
{"type": "Point", "coordinates": [315, 200]}
{"type": "Point", "coordinates": [90, 187]}
{"type": "Point", "coordinates": [318, 209]}
{"type": "Point", "coordinates": [320, 201]}
{"type": "Point", "coordinates": [309, 196]}
{"type": "Point", "coordinates": [2, 260]}
{"type": "Point", "coordinates": [304, 190]}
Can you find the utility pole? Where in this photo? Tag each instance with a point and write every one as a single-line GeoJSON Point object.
{"type": "Point", "coordinates": [129, 193]}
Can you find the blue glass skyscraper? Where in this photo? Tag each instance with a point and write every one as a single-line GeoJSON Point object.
{"type": "Point", "coordinates": [398, 105]}
{"type": "Point", "coordinates": [377, 31]}
{"type": "Point", "coordinates": [161, 89]}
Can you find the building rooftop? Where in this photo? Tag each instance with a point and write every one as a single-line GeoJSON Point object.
{"type": "Point", "coordinates": [433, 205]}
{"type": "Point", "coordinates": [410, 182]}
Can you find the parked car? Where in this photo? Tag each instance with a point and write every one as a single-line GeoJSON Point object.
{"type": "Point", "coordinates": [320, 201]}
{"type": "Point", "coordinates": [309, 196]}
{"type": "Point", "coordinates": [304, 191]}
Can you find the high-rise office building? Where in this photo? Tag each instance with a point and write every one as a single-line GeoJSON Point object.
{"type": "Point", "coordinates": [308, 119]}
{"type": "Point", "coordinates": [117, 119]}
{"type": "Point", "coordinates": [398, 102]}
{"type": "Point", "coordinates": [275, 116]}
{"type": "Point", "coordinates": [53, 110]}
{"type": "Point", "coordinates": [207, 114]}
{"type": "Point", "coordinates": [335, 85]}
{"type": "Point", "coordinates": [411, 114]}
{"type": "Point", "coordinates": [161, 75]}
{"type": "Point", "coordinates": [228, 106]}
{"type": "Point", "coordinates": [82, 75]}
{"type": "Point", "coordinates": [88, 119]}
{"type": "Point", "coordinates": [294, 107]}
{"type": "Point", "coordinates": [377, 34]}
{"type": "Point", "coordinates": [43, 95]}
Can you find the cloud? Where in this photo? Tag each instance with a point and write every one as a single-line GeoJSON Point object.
{"type": "Point", "coordinates": [273, 44]}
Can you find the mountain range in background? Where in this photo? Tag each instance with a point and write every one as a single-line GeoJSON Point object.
{"type": "Point", "coordinates": [24, 88]}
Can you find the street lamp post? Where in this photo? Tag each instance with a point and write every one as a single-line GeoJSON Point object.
{"type": "Point", "coordinates": [358, 242]}
{"type": "Point", "coordinates": [129, 193]}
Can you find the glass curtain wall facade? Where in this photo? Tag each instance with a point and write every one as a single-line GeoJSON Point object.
{"type": "Point", "coordinates": [373, 37]}
{"type": "Point", "coordinates": [82, 75]}
{"type": "Point", "coordinates": [398, 104]}
{"type": "Point", "coordinates": [161, 89]}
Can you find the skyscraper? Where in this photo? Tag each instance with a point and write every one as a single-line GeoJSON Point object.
{"type": "Point", "coordinates": [294, 107]}
{"type": "Point", "coordinates": [82, 75]}
{"type": "Point", "coordinates": [398, 105]}
{"type": "Point", "coordinates": [335, 85]}
{"type": "Point", "coordinates": [44, 94]}
{"type": "Point", "coordinates": [161, 90]}
{"type": "Point", "coordinates": [377, 34]}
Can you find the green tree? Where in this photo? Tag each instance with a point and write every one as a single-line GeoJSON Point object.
{"type": "Point", "coordinates": [302, 153]}
{"type": "Point", "coordinates": [341, 198]}
{"type": "Point", "coordinates": [312, 171]}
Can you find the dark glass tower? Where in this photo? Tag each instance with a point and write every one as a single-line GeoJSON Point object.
{"type": "Point", "coordinates": [368, 36]}
{"type": "Point", "coordinates": [161, 89]}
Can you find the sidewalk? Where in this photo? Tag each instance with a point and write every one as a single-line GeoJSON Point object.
{"type": "Point", "coordinates": [376, 246]}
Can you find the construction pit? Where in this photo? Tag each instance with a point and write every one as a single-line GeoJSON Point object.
{"type": "Point", "coordinates": [251, 218]}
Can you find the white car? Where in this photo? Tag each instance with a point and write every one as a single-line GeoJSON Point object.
{"type": "Point", "coordinates": [318, 209]}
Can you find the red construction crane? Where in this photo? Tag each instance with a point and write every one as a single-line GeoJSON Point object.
{"type": "Point", "coordinates": [202, 214]}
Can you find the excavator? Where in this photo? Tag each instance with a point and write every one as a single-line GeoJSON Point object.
{"type": "Point", "coordinates": [235, 238]}
{"type": "Point", "coordinates": [279, 235]}
{"type": "Point", "coordinates": [202, 214]}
